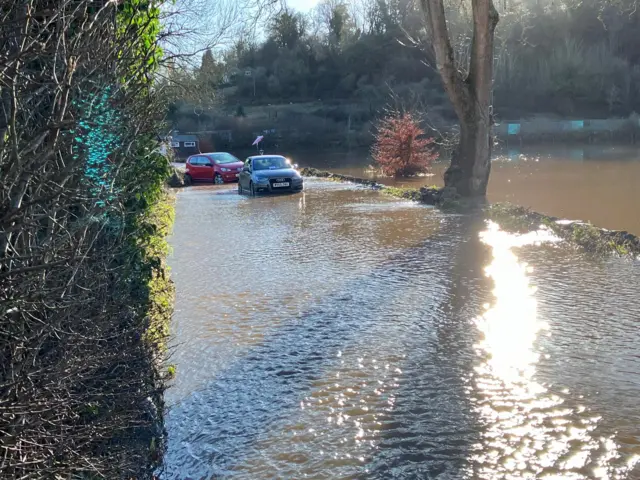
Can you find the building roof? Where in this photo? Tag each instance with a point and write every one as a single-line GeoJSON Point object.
{"type": "Point", "coordinates": [184, 138]}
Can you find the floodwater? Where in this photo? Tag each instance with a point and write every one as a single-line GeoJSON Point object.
{"type": "Point", "coordinates": [344, 334]}
{"type": "Point", "coordinates": [589, 182]}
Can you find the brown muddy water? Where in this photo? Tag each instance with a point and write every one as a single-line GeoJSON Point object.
{"type": "Point", "coordinates": [594, 183]}
{"type": "Point", "coordinates": [344, 334]}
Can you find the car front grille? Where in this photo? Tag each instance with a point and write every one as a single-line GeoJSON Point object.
{"type": "Point", "coordinates": [279, 180]}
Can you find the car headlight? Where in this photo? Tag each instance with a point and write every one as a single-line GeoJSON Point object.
{"type": "Point", "coordinates": [225, 169]}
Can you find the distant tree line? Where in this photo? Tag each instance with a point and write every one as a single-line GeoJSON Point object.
{"type": "Point", "coordinates": [566, 57]}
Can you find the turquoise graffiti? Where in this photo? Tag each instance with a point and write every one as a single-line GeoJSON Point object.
{"type": "Point", "coordinates": [97, 137]}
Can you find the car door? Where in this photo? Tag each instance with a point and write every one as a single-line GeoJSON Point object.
{"type": "Point", "coordinates": [207, 168]}
{"type": "Point", "coordinates": [192, 167]}
{"type": "Point", "coordinates": [195, 168]}
{"type": "Point", "coordinates": [245, 174]}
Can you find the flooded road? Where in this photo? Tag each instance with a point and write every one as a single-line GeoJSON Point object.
{"type": "Point", "coordinates": [343, 334]}
{"type": "Point", "coordinates": [589, 182]}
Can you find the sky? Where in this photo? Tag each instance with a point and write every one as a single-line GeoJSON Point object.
{"type": "Point", "coordinates": [302, 5]}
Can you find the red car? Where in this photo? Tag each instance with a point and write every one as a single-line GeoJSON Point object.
{"type": "Point", "coordinates": [219, 167]}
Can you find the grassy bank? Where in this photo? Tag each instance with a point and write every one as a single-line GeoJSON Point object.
{"type": "Point", "coordinates": [159, 310]}
{"type": "Point", "coordinates": [161, 289]}
{"type": "Point", "coordinates": [589, 237]}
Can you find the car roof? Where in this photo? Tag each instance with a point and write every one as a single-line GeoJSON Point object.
{"type": "Point", "coordinates": [211, 153]}
{"type": "Point", "coordinates": [253, 157]}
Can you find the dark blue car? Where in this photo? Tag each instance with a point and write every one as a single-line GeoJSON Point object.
{"type": "Point", "coordinates": [269, 173]}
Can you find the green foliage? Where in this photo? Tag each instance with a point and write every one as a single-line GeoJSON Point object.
{"type": "Point", "coordinates": [570, 57]}
{"type": "Point", "coordinates": [339, 23]}
{"type": "Point", "coordinates": [208, 78]}
{"type": "Point", "coordinates": [287, 29]}
{"type": "Point", "coordinates": [406, 193]}
{"type": "Point", "coordinates": [151, 248]}
{"type": "Point", "coordinates": [148, 207]}
{"type": "Point", "coordinates": [451, 204]}
{"type": "Point", "coordinates": [336, 60]}
{"type": "Point", "coordinates": [142, 17]}
{"type": "Point", "coordinates": [330, 73]}
{"type": "Point", "coordinates": [91, 409]}
{"type": "Point", "coordinates": [198, 87]}
{"type": "Point", "coordinates": [208, 64]}
{"type": "Point", "coordinates": [621, 250]}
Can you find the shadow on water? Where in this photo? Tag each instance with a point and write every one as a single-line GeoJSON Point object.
{"type": "Point", "coordinates": [215, 428]}
{"type": "Point", "coordinates": [436, 428]}
{"type": "Point", "coordinates": [380, 339]}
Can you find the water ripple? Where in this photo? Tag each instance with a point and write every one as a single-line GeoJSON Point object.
{"type": "Point", "coordinates": [344, 334]}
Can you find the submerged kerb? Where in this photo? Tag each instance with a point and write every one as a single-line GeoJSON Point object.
{"type": "Point", "coordinates": [446, 197]}
{"type": "Point", "coordinates": [589, 237]}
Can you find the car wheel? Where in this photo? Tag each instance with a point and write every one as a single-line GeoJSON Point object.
{"type": "Point", "coordinates": [252, 189]}
{"type": "Point", "coordinates": [218, 179]}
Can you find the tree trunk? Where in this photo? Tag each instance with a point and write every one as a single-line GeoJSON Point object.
{"type": "Point", "coordinates": [471, 159]}
{"type": "Point", "coordinates": [470, 96]}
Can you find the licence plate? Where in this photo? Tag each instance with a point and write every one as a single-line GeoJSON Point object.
{"type": "Point", "coordinates": [281, 184]}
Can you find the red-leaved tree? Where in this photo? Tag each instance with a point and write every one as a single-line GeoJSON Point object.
{"type": "Point", "coordinates": [400, 148]}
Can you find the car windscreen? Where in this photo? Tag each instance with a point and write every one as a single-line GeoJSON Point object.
{"type": "Point", "coordinates": [270, 163]}
{"type": "Point", "coordinates": [221, 158]}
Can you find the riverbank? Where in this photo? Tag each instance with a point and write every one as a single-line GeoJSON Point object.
{"type": "Point", "coordinates": [589, 237]}
{"type": "Point", "coordinates": [510, 217]}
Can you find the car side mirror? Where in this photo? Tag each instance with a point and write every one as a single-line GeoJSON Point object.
{"type": "Point", "coordinates": [295, 165]}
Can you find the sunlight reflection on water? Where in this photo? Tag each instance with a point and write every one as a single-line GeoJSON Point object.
{"type": "Point", "coordinates": [530, 431]}
{"type": "Point", "coordinates": [331, 335]}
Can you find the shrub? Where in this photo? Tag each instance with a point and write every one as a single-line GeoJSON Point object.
{"type": "Point", "coordinates": [400, 147]}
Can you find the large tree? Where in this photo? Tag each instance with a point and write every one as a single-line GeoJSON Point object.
{"type": "Point", "coordinates": [288, 28]}
{"type": "Point", "coordinates": [470, 94]}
